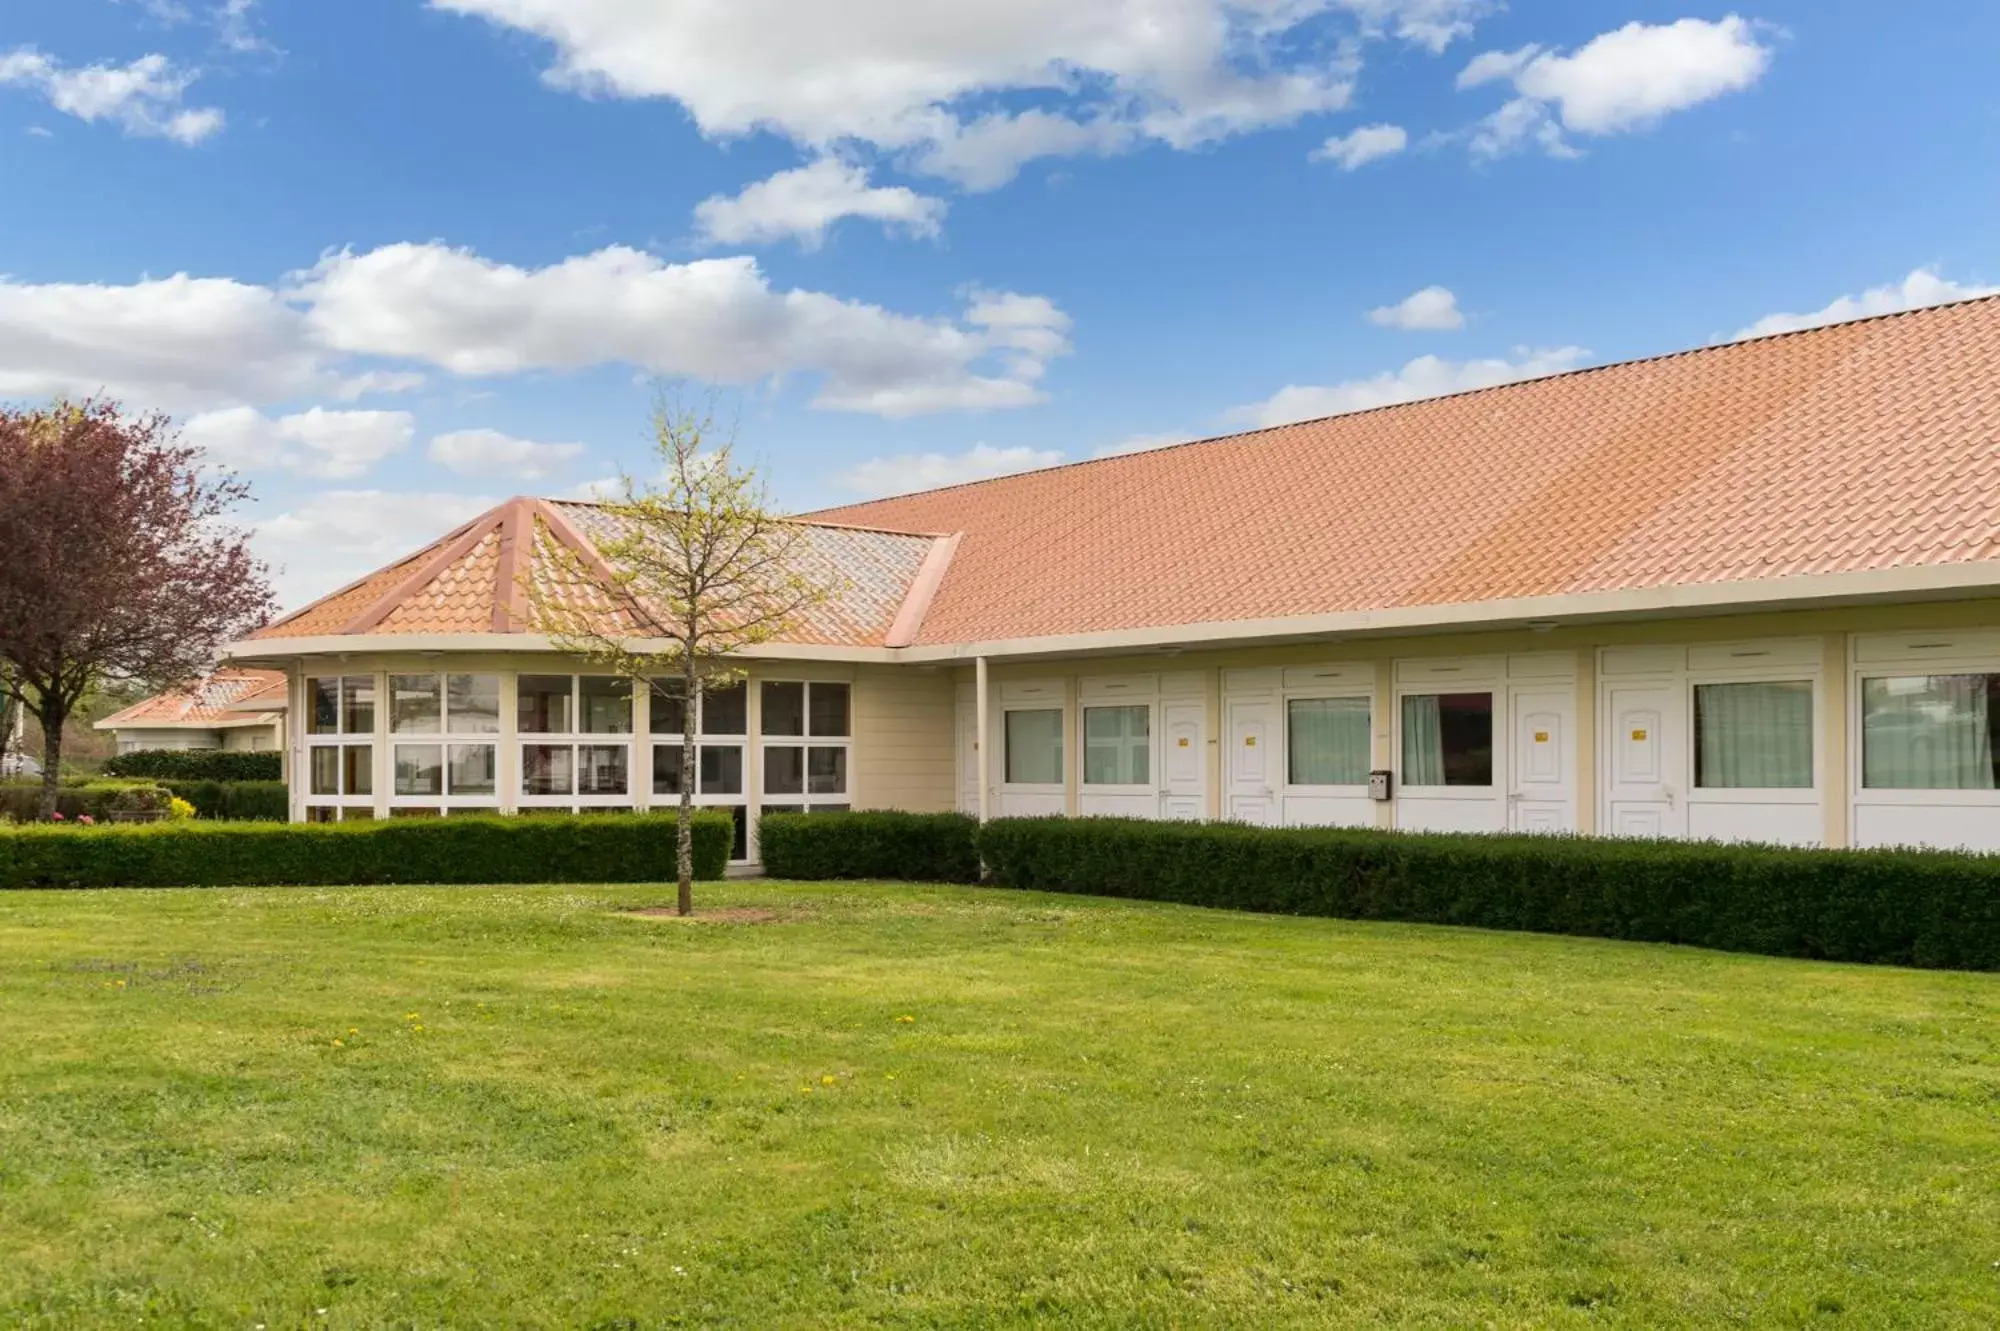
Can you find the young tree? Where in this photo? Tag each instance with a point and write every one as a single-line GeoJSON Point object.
{"type": "Point", "coordinates": [699, 568]}
{"type": "Point", "coordinates": [118, 562]}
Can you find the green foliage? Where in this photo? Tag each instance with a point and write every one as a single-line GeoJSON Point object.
{"type": "Point", "coordinates": [235, 801]}
{"type": "Point", "coordinates": [20, 801]}
{"type": "Point", "coordinates": [910, 847]}
{"type": "Point", "coordinates": [197, 765]}
{"type": "Point", "coordinates": [628, 848]}
{"type": "Point", "coordinates": [1912, 908]}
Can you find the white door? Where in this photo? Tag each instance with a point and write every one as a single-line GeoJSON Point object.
{"type": "Point", "coordinates": [1643, 762]}
{"type": "Point", "coordinates": [968, 751]}
{"type": "Point", "coordinates": [1542, 793]}
{"type": "Point", "coordinates": [1184, 760]}
{"type": "Point", "coordinates": [1251, 765]}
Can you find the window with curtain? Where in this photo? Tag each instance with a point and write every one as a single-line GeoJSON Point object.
{"type": "Point", "coordinates": [1930, 732]}
{"type": "Point", "coordinates": [1448, 739]}
{"type": "Point", "coordinates": [1034, 747]}
{"type": "Point", "coordinates": [1117, 745]}
{"type": "Point", "coordinates": [1754, 736]}
{"type": "Point", "coordinates": [1327, 741]}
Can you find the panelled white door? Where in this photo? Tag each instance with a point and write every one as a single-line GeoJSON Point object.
{"type": "Point", "coordinates": [1644, 757]}
{"type": "Point", "coordinates": [1184, 759]}
{"type": "Point", "coordinates": [1542, 792]}
{"type": "Point", "coordinates": [1250, 765]}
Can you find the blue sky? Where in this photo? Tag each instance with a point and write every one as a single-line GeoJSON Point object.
{"type": "Point", "coordinates": [398, 260]}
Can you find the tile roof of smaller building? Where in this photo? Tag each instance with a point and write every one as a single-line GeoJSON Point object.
{"type": "Point", "coordinates": [225, 698]}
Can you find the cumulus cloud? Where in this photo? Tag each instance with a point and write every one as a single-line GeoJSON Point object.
{"type": "Point", "coordinates": [919, 81]}
{"type": "Point", "coordinates": [326, 445]}
{"type": "Point", "coordinates": [1923, 287]}
{"type": "Point", "coordinates": [1620, 81]}
{"type": "Point", "coordinates": [491, 453]}
{"type": "Point", "coordinates": [804, 203]}
{"type": "Point", "coordinates": [1141, 443]}
{"type": "Point", "coordinates": [1424, 377]}
{"type": "Point", "coordinates": [146, 98]}
{"type": "Point", "coordinates": [1362, 146]}
{"type": "Point", "coordinates": [1434, 309]}
{"type": "Point", "coordinates": [336, 536]}
{"type": "Point", "coordinates": [926, 471]}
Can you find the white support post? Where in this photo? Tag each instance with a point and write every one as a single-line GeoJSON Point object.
{"type": "Point", "coordinates": [983, 713]}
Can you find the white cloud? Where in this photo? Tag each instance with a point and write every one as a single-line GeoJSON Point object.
{"type": "Point", "coordinates": [1619, 81]}
{"type": "Point", "coordinates": [491, 453]}
{"type": "Point", "coordinates": [1362, 146]}
{"type": "Point", "coordinates": [1434, 309]}
{"type": "Point", "coordinates": [236, 29]}
{"type": "Point", "coordinates": [337, 536]}
{"type": "Point", "coordinates": [1921, 288]}
{"type": "Point", "coordinates": [717, 320]}
{"type": "Point", "coordinates": [326, 445]}
{"type": "Point", "coordinates": [926, 471]}
{"type": "Point", "coordinates": [919, 80]}
{"type": "Point", "coordinates": [146, 98]}
{"type": "Point", "coordinates": [1140, 443]}
{"type": "Point", "coordinates": [803, 203]}
{"type": "Point", "coordinates": [1426, 376]}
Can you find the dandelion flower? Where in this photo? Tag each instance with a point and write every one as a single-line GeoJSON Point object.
{"type": "Point", "coordinates": [340, 1044]}
{"type": "Point", "coordinates": [352, 1031]}
{"type": "Point", "coordinates": [828, 1079]}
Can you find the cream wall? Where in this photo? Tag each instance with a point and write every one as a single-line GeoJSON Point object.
{"type": "Point", "coordinates": [904, 736]}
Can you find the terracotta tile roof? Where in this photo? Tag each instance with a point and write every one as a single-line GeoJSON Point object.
{"type": "Point", "coordinates": [476, 580]}
{"type": "Point", "coordinates": [206, 704]}
{"type": "Point", "coordinates": [1861, 446]}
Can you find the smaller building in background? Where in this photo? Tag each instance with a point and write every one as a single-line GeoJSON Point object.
{"type": "Point", "coordinates": [232, 709]}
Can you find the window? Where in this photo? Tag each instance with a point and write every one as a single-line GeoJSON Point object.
{"type": "Point", "coordinates": [1448, 739]}
{"type": "Point", "coordinates": [805, 770]}
{"type": "Point", "coordinates": [1328, 741]}
{"type": "Point", "coordinates": [340, 750]}
{"type": "Point", "coordinates": [1034, 747]}
{"type": "Point", "coordinates": [1753, 736]}
{"type": "Point", "coordinates": [565, 760]}
{"type": "Point", "coordinates": [1117, 745]}
{"type": "Point", "coordinates": [436, 766]}
{"type": "Point", "coordinates": [721, 730]}
{"type": "Point", "coordinates": [1931, 732]}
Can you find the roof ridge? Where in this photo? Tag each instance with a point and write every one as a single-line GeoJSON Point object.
{"type": "Point", "coordinates": [799, 519]}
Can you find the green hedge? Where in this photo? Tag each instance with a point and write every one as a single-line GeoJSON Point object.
{"type": "Point", "coordinates": [915, 847]}
{"type": "Point", "coordinates": [235, 801]}
{"type": "Point", "coordinates": [21, 801]}
{"type": "Point", "coordinates": [1918, 908]}
{"type": "Point", "coordinates": [626, 848]}
{"type": "Point", "coordinates": [197, 765]}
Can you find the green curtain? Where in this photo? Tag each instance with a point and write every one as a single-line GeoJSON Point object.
{"type": "Point", "coordinates": [1927, 733]}
{"type": "Point", "coordinates": [1754, 736]}
{"type": "Point", "coordinates": [1327, 741]}
{"type": "Point", "coordinates": [1423, 741]}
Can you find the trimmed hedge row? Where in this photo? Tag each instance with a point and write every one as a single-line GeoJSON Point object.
{"type": "Point", "coordinates": [21, 801]}
{"type": "Point", "coordinates": [1913, 908]}
{"type": "Point", "coordinates": [917, 847]}
{"type": "Point", "coordinates": [197, 765]}
{"type": "Point", "coordinates": [235, 801]}
{"type": "Point", "coordinates": [627, 848]}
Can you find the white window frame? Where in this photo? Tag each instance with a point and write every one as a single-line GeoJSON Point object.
{"type": "Point", "coordinates": [1331, 683]}
{"type": "Point", "coordinates": [1093, 694]}
{"type": "Point", "coordinates": [575, 740]}
{"type": "Point", "coordinates": [1900, 656]}
{"type": "Point", "coordinates": [805, 801]}
{"type": "Point", "coordinates": [1788, 662]}
{"type": "Point", "coordinates": [345, 804]}
{"type": "Point", "coordinates": [445, 740]}
{"type": "Point", "coordinates": [1446, 678]}
{"type": "Point", "coordinates": [742, 742]}
{"type": "Point", "coordinates": [1036, 696]}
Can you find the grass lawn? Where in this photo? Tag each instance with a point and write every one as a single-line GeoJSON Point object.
{"type": "Point", "coordinates": [528, 1107]}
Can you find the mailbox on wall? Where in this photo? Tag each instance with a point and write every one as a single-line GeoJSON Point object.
{"type": "Point", "coordinates": [1381, 786]}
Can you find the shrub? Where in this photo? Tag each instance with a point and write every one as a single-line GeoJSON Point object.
{"type": "Point", "coordinates": [21, 801]}
{"type": "Point", "coordinates": [627, 848]}
{"type": "Point", "coordinates": [913, 847]}
{"type": "Point", "coordinates": [197, 765]}
{"type": "Point", "coordinates": [235, 801]}
{"type": "Point", "coordinates": [1921, 908]}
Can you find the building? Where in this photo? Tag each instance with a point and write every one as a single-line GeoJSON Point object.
{"type": "Point", "coordinates": [232, 709]}
{"type": "Point", "coordinates": [1745, 592]}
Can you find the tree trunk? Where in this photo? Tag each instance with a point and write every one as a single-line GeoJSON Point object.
{"type": "Point", "coordinates": [52, 714]}
{"type": "Point", "coordinates": [684, 842]}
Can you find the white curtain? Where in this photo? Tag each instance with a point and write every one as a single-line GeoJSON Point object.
{"type": "Point", "coordinates": [1423, 741]}
{"type": "Point", "coordinates": [1754, 736]}
{"type": "Point", "coordinates": [1327, 741]}
{"type": "Point", "coordinates": [1927, 733]}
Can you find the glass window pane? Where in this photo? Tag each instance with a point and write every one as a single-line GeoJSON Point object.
{"type": "Point", "coordinates": [725, 711]}
{"type": "Point", "coordinates": [326, 770]}
{"type": "Point", "coordinates": [784, 808]}
{"type": "Point", "coordinates": [358, 769]}
{"type": "Point", "coordinates": [475, 769]}
{"type": "Point", "coordinates": [544, 705]}
{"type": "Point", "coordinates": [472, 704]}
{"type": "Point", "coordinates": [603, 769]}
{"type": "Point", "coordinates": [1328, 741]}
{"type": "Point", "coordinates": [667, 769]}
{"type": "Point", "coordinates": [416, 813]}
{"type": "Point", "coordinates": [357, 705]}
{"type": "Point", "coordinates": [420, 769]}
{"type": "Point", "coordinates": [784, 709]}
{"type": "Point", "coordinates": [357, 815]}
{"type": "Point", "coordinates": [322, 814]}
{"type": "Point", "coordinates": [323, 706]}
{"type": "Point", "coordinates": [722, 769]}
{"type": "Point", "coordinates": [606, 705]}
{"type": "Point", "coordinates": [830, 711]}
{"type": "Point", "coordinates": [416, 705]}
{"type": "Point", "coordinates": [1448, 739]}
{"type": "Point", "coordinates": [784, 771]}
{"type": "Point", "coordinates": [1034, 748]}
{"type": "Point", "coordinates": [826, 771]}
{"type": "Point", "coordinates": [1117, 745]}
{"type": "Point", "coordinates": [740, 849]}
{"type": "Point", "coordinates": [1931, 732]}
{"type": "Point", "coordinates": [547, 769]}
{"type": "Point", "coordinates": [1753, 736]}
{"type": "Point", "coordinates": [669, 707]}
